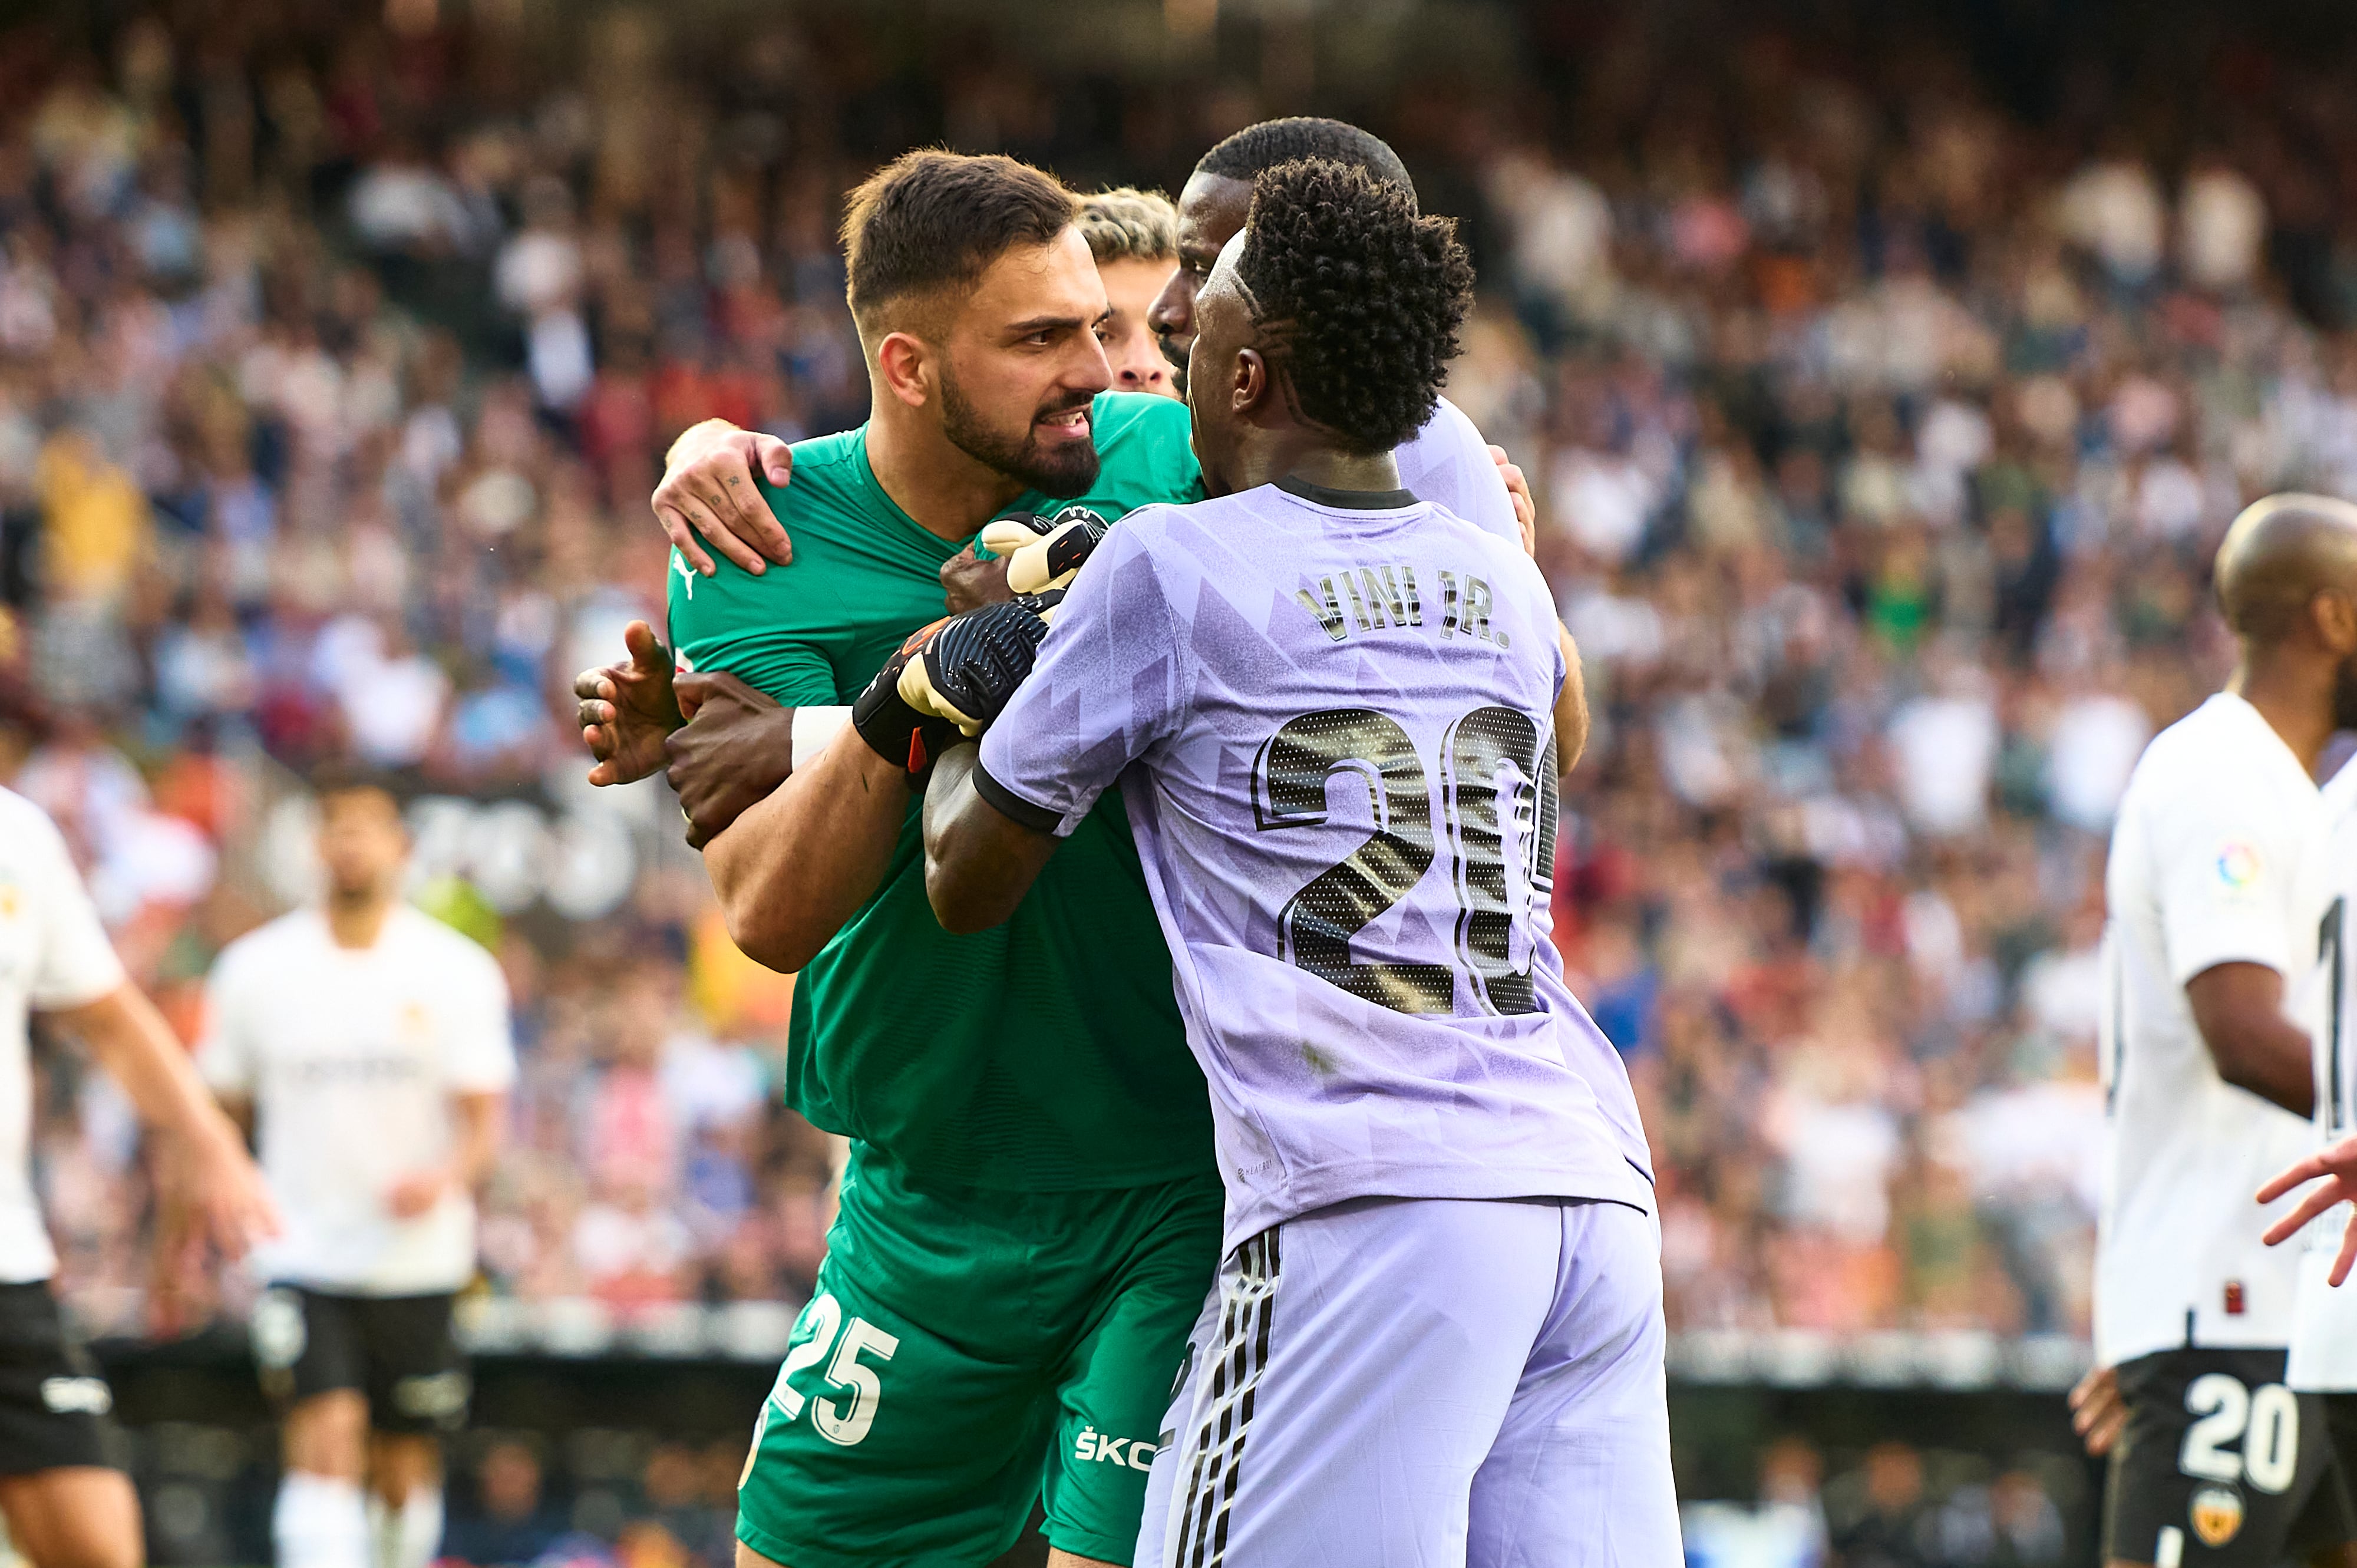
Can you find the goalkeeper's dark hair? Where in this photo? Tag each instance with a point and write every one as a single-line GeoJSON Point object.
{"type": "Point", "coordinates": [1357, 297]}
{"type": "Point", "coordinates": [930, 221]}
{"type": "Point", "coordinates": [1273, 142]}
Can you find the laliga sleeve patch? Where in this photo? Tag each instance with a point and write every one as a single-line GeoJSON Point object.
{"type": "Point", "coordinates": [2239, 865]}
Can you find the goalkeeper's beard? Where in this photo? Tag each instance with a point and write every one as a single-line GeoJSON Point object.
{"type": "Point", "coordinates": [1062, 473]}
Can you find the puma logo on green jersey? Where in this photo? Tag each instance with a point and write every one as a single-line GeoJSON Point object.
{"type": "Point", "coordinates": [687, 573]}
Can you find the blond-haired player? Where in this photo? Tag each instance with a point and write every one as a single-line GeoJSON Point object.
{"type": "Point", "coordinates": [1134, 234]}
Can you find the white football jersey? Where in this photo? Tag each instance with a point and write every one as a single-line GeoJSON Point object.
{"type": "Point", "coordinates": [2216, 858]}
{"type": "Point", "coordinates": [53, 954]}
{"type": "Point", "coordinates": [350, 1057]}
{"type": "Point", "coordinates": [2324, 1330]}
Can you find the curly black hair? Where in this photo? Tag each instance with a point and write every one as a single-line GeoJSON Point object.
{"type": "Point", "coordinates": [1358, 298]}
{"type": "Point", "coordinates": [1274, 142]}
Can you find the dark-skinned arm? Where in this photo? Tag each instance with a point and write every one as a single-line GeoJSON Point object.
{"type": "Point", "coordinates": [824, 835]}
{"type": "Point", "coordinates": [1571, 702]}
{"type": "Point", "coordinates": [737, 747]}
{"type": "Point", "coordinates": [979, 862]}
{"type": "Point", "coordinates": [626, 709]}
{"type": "Point", "coordinates": [722, 745]}
{"type": "Point", "coordinates": [1570, 706]}
{"type": "Point", "coordinates": [2239, 1009]}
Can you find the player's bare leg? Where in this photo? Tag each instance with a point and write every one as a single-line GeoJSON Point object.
{"type": "Point", "coordinates": [402, 1463]}
{"type": "Point", "coordinates": [78, 1516]}
{"type": "Point", "coordinates": [327, 1434]}
{"type": "Point", "coordinates": [321, 1520]}
{"type": "Point", "coordinates": [404, 1480]}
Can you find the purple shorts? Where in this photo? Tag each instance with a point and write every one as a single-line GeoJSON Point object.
{"type": "Point", "coordinates": [1428, 1381]}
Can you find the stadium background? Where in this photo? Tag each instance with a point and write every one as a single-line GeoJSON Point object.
{"type": "Point", "coordinates": [1886, 374]}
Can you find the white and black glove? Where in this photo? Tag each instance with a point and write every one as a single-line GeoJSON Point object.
{"type": "Point", "coordinates": [1044, 553]}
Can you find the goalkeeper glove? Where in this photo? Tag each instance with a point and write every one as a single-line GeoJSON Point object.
{"type": "Point", "coordinates": [897, 731]}
{"type": "Point", "coordinates": [971, 667]}
{"type": "Point", "coordinates": [1044, 553]}
{"type": "Point", "coordinates": [952, 679]}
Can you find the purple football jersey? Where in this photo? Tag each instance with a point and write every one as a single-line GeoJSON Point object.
{"type": "Point", "coordinates": [1331, 714]}
{"type": "Point", "coordinates": [1449, 464]}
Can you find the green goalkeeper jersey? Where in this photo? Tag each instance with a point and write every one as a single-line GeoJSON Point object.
{"type": "Point", "coordinates": [1045, 1054]}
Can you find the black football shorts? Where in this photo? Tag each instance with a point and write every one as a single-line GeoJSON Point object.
{"type": "Point", "coordinates": [54, 1404]}
{"type": "Point", "coordinates": [2221, 1466]}
{"type": "Point", "coordinates": [397, 1351]}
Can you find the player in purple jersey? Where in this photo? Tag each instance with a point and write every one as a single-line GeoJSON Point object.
{"type": "Point", "coordinates": [1437, 1335]}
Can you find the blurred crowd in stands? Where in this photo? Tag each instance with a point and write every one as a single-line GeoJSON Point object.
{"type": "Point", "coordinates": [1882, 415]}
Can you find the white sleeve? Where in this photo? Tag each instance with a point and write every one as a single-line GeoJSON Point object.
{"type": "Point", "coordinates": [225, 1055]}
{"type": "Point", "coordinates": [2224, 884]}
{"type": "Point", "coordinates": [75, 964]}
{"type": "Point", "coordinates": [478, 1045]}
{"type": "Point", "coordinates": [1449, 464]}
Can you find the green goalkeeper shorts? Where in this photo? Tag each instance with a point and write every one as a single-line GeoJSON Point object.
{"type": "Point", "coordinates": [968, 1352]}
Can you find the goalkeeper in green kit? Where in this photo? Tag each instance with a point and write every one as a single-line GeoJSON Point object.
{"type": "Point", "coordinates": [1030, 1216]}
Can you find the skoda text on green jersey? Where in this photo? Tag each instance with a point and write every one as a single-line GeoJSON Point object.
{"type": "Point", "coordinates": [1031, 1215]}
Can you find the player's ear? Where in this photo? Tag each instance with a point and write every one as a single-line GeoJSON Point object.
{"type": "Point", "coordinates": [1249, 387]}
{"type": "Point", "coordinates": [905, 364]}
{"type": "Point", "coordinates": [2335, 615]}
